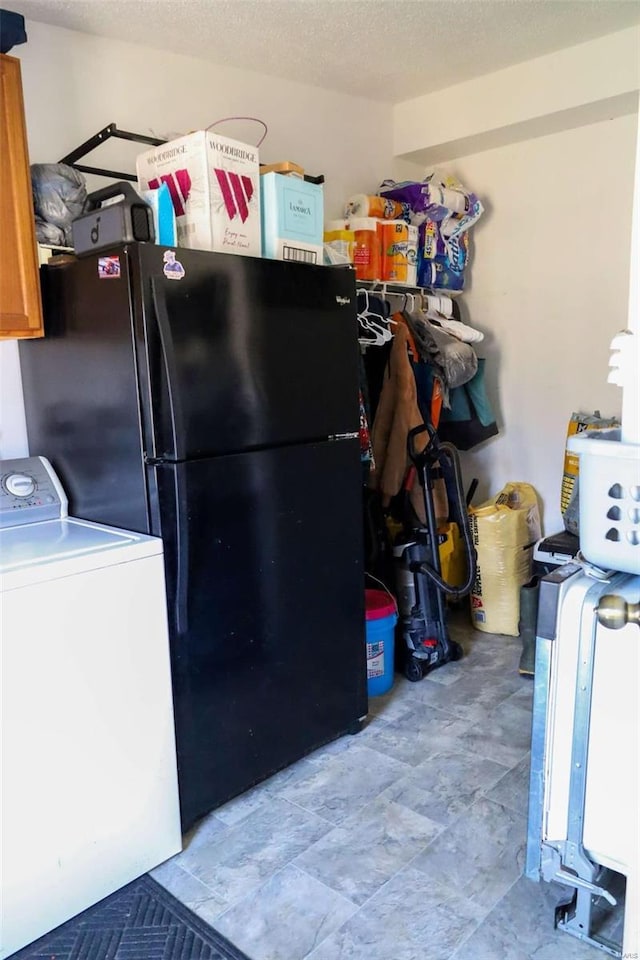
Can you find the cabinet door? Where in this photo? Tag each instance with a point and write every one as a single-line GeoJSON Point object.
{"type": "Point", "coordinates": [20, 303]}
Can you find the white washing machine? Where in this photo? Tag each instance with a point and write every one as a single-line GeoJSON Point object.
{"type": "Point", "coordinates": [89, 776]}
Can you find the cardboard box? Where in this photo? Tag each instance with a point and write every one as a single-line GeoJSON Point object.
{"type": "Point", "coordinates": [215, 188]}
{"type": "Point", "coordinates": [292, 218]}
{"type": "Point", "coordinates": [287, 166]}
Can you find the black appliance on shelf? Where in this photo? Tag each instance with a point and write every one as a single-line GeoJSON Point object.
{"type": "Point", "coordinates": [212, 400]}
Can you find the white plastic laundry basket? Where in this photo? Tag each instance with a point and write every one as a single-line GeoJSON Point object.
{"type": "Point", "coordinates": [609, 490]}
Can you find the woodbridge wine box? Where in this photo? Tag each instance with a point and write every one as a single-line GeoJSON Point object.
{"type": "Point", "coordinates": [214, 184]}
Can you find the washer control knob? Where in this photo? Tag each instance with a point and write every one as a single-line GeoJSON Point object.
{"type": "Point", "coordinates": [20, 485]}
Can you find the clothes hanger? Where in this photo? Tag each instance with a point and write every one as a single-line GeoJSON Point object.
{"type": "Point", "coordinates": [372, 322]}
{"type": "Point", "coordinates": [368, 311]}
{"type": "Point", "coordinates": [370, 318]}
{"type": "Point", "coordinates": [381, 334]}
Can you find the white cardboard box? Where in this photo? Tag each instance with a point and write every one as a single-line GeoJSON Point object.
{"type": "Point", "coordinates": [215, 188]}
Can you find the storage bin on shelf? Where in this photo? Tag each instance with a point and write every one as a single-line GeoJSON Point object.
{"type": "Point", "coordinates": [609, 485]}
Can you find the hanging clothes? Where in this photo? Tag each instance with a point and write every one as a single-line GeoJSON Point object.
{"type": "Point", "coordinates": [374, 357]}
{"type": "Point", "coordinates": [454, 360]}
{"type": "Point", "coordinates": [398, 413]}
{"type": "Point", "coordinates": [469, 419]}
{"type": "Point", "coordinates": [425, 374]}
{"type": "Point", "coordinates": [366, 448]}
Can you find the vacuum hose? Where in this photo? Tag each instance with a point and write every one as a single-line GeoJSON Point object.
{"type": "Point", "coordinates": [434, 452]}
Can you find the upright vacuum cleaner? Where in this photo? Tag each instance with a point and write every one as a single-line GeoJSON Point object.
{"type": "Point", "coordinates": [421, 589]}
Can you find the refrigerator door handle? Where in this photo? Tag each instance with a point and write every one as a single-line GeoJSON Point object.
{"type": "Point", "coordinates": [182, 563]}
{"type": "Point", "coordinates": [170, 366]}
{"type": "Point", "coordinates": [175, 490]}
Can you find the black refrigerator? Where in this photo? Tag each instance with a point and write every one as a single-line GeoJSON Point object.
{"type": "Point", "coordinates": [212, 400]}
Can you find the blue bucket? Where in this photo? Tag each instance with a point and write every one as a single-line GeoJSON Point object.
{"type": "Point", "coordinates": [381, 620]}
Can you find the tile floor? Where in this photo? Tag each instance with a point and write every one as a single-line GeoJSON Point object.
{"type": "Point", "coordinates": [406, 842]}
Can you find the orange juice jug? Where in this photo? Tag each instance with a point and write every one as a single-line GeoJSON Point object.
{"type": "Point", "coordinates": [366, 248]}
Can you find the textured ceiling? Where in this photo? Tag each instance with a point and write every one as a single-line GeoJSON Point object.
{"type": "Point", "coordinates": [383, 49]}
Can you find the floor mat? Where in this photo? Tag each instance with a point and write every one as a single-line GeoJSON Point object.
{"type": "Point", "coordinates": [142, 921]}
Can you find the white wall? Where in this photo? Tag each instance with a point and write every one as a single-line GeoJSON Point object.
{"type": "Point", "coordinates": [75, 84]}
{"type": "Point", "coordinates": [570, 88]}
{"type": "Point", "coordinates": [549, 146]}
{"type": "Point", "coordinates": [549, 285]}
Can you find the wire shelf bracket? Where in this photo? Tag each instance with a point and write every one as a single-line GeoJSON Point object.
{"type": "Point", "coordinates": [99, 138]}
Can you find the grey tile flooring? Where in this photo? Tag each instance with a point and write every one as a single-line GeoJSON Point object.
{"type": "Point", "coordinates": [358, 858]}
{"type": "Point", "coordinates": [332, 791]}
{"type": "Point", "coordinates": [302, 913]}
{"type": "Point", "coordinates": [418, 735]}
{"type": "Point", "coordinates": [405, 920]}
{"type": "Point", "coordinates": [405, 842]}
{"type": "Point", "coordinates": [246, 855]}
{"type": "Point", "coordinates": [481, 854]}
{"type": "Point", "coordinates": [512, 789]}
{"type": "Point", "coordinates": [447, 784]}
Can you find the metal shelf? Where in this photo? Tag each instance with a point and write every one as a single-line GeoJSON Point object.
{"type": "Point", "coordinates": [101, 137]}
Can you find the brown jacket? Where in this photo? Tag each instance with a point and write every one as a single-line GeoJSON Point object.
{"type": "Point", "coordinates": [397, 414]}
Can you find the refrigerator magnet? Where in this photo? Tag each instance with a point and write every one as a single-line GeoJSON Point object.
{"type": "Point", "coordinates": [108, 268]}
{"type": "Point", "coordinates": [172, 269]}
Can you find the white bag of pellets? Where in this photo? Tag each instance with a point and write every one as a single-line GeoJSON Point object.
{"type": "Point", "coordinates": [505, 530]}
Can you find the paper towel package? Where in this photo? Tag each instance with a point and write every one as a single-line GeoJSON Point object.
{"type": "Point", "coordinates": [398, 251]}
{"type": "Point", "coordinates": [214, 184]}
{"type": "Point", "coordinates": [292, 218]}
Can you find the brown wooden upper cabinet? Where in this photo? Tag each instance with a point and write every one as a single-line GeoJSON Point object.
{"type": "Point", "coordinates": [20, 300]}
